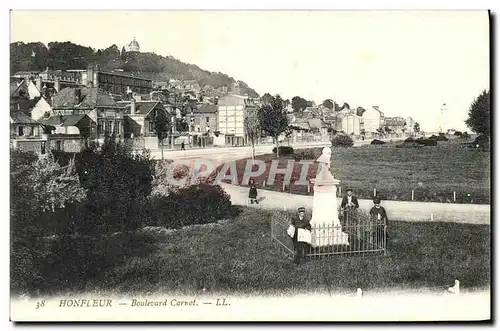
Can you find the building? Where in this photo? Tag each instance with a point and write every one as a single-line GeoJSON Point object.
{"type": "Point", "coordinates": [205, 119]}
{"type": "Point", "coordinates": [95, 103]}
{"type": "Point", "coordinates": [395, 124]}
{"type": "Point", "coordinates": [41, 109]}
{"type": "Point", "coordinates": [410, 124]}
{"type": "Point", "coordinates": [23, 95]}
{"type": "Point", "coordinates": [373, 119]}
{"type": "Point", "coordinates": [26, 134]}
{"type": "Point", "coordinates": [133, 46]}
{"type": "Point", "coordinates": [140, 117]}
{"type": "Point", "coordinates": [69, 133]}
{"type": "Point", "coordinates": [116, 82]}
{"type": "Point", "coordinates": [348, 122]}
{"type": "Point", "coordinates": [232, 111]}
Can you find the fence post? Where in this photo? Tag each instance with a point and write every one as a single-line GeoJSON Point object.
{"type": "Point", "coordinates": [412, 194]}
{"type": "Point", "coordinates": [432, 217]}
{"type": "Point", "coordinates": [455, 289]}
{"type": "Point", "coordinates": [359, 293]}
{"type": "Point", "coordinates": [283, 187]}
{"type": "Point", "coordinates": [374, 192]}
{"type": "Point", "coordinates": [454, 196]}
{"type": "Point", "coordinates": [308, 188]}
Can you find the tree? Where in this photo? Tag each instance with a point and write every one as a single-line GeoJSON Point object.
{"type": "Point", "coordinates": [336, 107]}
{"type": "Point", "coordinates": [345, 106]}
{"type": "Point", "coordinates": [298, 104]}
{"type": "Point", "coordinates": [118, 185]}
{"type": "Point", "coordinates": [480, 114]}
{"type": "Point", "coordinates": [273, 119]}
{"type": "Point", "coordinates": [416, 127]}
{"type": "Point", "coordinates": [252, 128]}
{"type": "Point", "coordinates": [288, 133]}
{"type": "Point", "coordinates": [360, 111]}
{"type": "Point", "coordinates": [266, 98]}
{"type": "Point", "coordinates": [328, 103]}
{"type": "Point", "coordinates": [163, 127]}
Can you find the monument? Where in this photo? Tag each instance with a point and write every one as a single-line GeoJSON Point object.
{"type": "Point", "coordinates": [326, 229]}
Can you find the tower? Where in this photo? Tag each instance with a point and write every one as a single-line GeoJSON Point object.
{"type": "Point", "coordinates": [133, 46]}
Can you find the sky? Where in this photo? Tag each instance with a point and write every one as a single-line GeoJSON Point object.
{"type": "Point", "coordinates": [409, 63]}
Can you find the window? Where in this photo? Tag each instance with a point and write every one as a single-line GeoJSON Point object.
{"type": "Point", "coordinates": [58, 145]}
{"type": "Point", "coordinates": [151, 126]}
{"type": "Point", "coordinates": [101, 127]}
{"type": "Point", "coordinates": [207, 119]}
{"type": "Point", "coordinates": [20, 130]}
{"type": "Point", "coordinates": [42, 147]}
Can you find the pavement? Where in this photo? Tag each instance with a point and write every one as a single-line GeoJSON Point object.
{"type": "Point", "coordinates": [396, 210]}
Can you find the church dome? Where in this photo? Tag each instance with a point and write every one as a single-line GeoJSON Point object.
{"type": "Point", "coordinates": [133, 46]}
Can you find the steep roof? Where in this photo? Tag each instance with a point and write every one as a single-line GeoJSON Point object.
{"type": "Point", "coordinates": [64, 120]}
{"type": "Point", "coordinates": [19, 117]}
{"type": "Point", "coordinates": [143, 107]}
{"type": "Point", "coordinates": [89, 98]}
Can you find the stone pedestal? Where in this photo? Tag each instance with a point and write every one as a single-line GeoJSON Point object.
{"type": "Point", "coordinates": [326, 228]}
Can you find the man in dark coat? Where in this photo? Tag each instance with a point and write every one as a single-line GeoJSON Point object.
{"type": "Point", "coordinates": [252, 193]}
{"type": "Point", "coordinates": [349, 203]}
{"type": "Point", "coordinates": [378, 216]}
{"type": "Point", "coordinates": [349, 200]}
{"type": "Point", "coordinates": [300, 222]}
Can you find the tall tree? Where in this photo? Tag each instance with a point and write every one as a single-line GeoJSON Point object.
{"type": "Point", "coordinates": [336, 107]}
{"type": "Point", "coordinates": [266, 98]}
{"type": "Point", "coordinates": [416, 127]}
{"type": "Point", "coordinates": [273, 119]}
{"type": "Point", "coordinates": [299, 104]}
{"type": "Point", "coordinates": [253, 130]}
{"type": "Point", "coordinates": [328, 103]}
{"type": "Point", "coordinates": [163, 127]}
{"type": "Point", "coordinates": [480, 114]}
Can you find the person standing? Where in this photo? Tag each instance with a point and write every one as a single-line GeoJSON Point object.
{"type": "Point", "coordinates": [300, 222]}
{"type": "Point", "coordinates": [183, 146]}
{"type": "Point", "coordinates": [349, 201]}
{"type": "Point", "coordinates": [378, 216]}
{"type": "Point", "coordinates": [252, 194]}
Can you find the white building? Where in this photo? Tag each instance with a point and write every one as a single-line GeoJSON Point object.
{"type": "Point", "coordinates": [232, 111]}
{"type": "Point", "coordinates": [373, 119]}
{"type": "Point", "coordinates": [133, 46]}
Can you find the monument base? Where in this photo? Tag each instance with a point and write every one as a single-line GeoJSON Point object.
{"type": "Point", "coordinates": [328, 236]}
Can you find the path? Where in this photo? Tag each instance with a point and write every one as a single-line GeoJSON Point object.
{"type": "Point", "coordinates": [396, 210]}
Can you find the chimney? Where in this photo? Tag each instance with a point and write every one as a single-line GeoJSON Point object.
{"type": "Point", "coordinates": [78, 96]}
{"type": "Point", "coordinates": [132, 106]}
{"type": "Point", "coordinates": [57, 84]}
{"type": "Point", "coordinates": [39, 83]}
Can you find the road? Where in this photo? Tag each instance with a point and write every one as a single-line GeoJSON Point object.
{"type": "Point", "coordinates": [225, 154]}
{"type": "Point", "coordinates": [396, 210]}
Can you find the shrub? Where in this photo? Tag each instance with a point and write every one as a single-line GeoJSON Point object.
{"type": "Point", "coordinates": [482, 141]}
{"type": "Point", "coordinates": [457, 133]}
{"type": "Point", "coordinates": [307, 154]}
{"type": "Point", "coordinates": [284, 150]}
{"type": "Point", "coordinates": [197, 204]}
{"type": "Point", "coordinates": [342, 141]}
{"type": "Point", "coordinates": [377, 142]}
{"type": "Point", "coordinates": [409, 140]}
{"type": "Point", "coordinates": [427, 142]}
{"type": "Point", "coordinates": [441, 138]}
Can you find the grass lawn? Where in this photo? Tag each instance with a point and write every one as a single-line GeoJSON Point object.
{"type": "Point", "coordinates": [238, 257]}
{"type": "Point", "coordinates": [432, 172]}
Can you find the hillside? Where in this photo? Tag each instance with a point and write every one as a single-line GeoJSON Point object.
{"type": "Point", "coordinates": [66, 55]}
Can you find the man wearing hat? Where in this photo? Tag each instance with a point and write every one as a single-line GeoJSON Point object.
{"type": "Point", "coordinates": [378, 215]}
{"type": "Point", "coordinates": [349, 201]}
{"type": "Point", "coordinates": [300, 222]}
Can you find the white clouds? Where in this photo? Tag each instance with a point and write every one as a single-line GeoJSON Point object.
{"type": "Point", "coordinates": [409, 63]}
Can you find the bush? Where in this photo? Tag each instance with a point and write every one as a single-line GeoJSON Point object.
{"type": "Point", "coordinates": [457, 133]}
{"type": "Point", "coordinates": [307, 154]}
{"type": "Point", "coordinates": [409, 140]}
{"type": "Point", "coordinates": [482, 142]}
{"type": "Point", "coordinates": [377, 142]}
{"type": "Point", "coordinates": [197, 204]}
{"type": "Point", "coordinates": [342, 141]}
{"type": "Point", "coordinates": [426, 142]}
{"type": "Point", "coordinates": [284, 150]}
{"type": "Point", "coordinates": [411, 144]}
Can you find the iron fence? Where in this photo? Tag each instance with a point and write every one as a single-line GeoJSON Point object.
{"type": "Point", "coordinates": [358, 234]}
